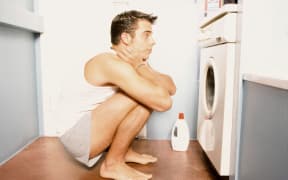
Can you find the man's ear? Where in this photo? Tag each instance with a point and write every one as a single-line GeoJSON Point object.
{"type": "Point", "coordinates": [126, 38]}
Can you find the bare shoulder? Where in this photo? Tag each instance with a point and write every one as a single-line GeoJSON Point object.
{"type": "Point", "coordinates": [106, 61]}
{"type": "Point", "coordinates": [100, 58]}
{"type": "Point", "coordinates": [98, 69]}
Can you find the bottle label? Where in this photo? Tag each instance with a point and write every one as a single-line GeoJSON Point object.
{"type": "Point", "coordinates": [176, 132]}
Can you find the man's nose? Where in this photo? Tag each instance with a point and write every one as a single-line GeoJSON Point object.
{"type": "Point", "coordinates": [153, 42]}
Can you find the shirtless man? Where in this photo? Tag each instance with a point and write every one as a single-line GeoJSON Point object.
{"type": "Point", "coordinates": [117, 121]}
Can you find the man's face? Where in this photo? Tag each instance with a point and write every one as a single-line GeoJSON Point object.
{"type": "Point", "coordinates": [142, 42]}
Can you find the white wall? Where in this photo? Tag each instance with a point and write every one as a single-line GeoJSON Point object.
{"type": "Point", "coordinates": [77, 30]}
{"type": "Point", "coordinates": [74, 32]}
{"type": "Point", "coordinates": [265, 38]}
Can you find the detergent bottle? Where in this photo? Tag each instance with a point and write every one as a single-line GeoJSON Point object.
{"type": "Point", "coordinates": [180, 134]}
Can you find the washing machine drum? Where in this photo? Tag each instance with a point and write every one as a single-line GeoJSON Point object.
{"type": "Point", "coordinates": [210, 91]}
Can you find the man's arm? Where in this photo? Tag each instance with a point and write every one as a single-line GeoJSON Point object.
{"type": "Point", "coordinates": [163, 80]}
{"type": "Point", "coordinates": [107, 69]}
{"type": "Point", "coordinates": [145, 70]}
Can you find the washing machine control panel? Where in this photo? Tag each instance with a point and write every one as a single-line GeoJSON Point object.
{"type": "Point", "coordinates": [219, 29]}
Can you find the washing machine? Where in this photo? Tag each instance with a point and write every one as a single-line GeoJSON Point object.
{"type": "Point", "coordinates": [216, 88]}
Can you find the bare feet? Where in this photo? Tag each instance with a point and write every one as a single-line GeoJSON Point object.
{"type": "Point", "coordinates": [121, 171]}
{"type": "Point", "coordinates": [132, 156]}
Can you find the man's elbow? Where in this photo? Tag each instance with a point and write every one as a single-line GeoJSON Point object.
{"type": "Point", "coordinates": [165, 105]}
{"type": "Point", "coordinates": [172, 87]}
{"type": "Point", "coordinates": [172, 91]}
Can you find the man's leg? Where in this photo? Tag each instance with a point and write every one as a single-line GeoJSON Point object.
{"type": "Point", "coordinates": [105, 120]}
{"type": "Point", "coordinates": [114, 163]}
{"type": "Point", "coordinates": [109, 119]}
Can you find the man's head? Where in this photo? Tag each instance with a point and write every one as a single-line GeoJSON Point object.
{"type": "Point", "coordinates": [127, 22]}
{"type": "Point", "coordinates": [133, 30]}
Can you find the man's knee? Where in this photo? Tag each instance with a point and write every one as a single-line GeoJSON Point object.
{"type": "Point", "coordinates": [144, 112]}
{"type": "Point", "coordinates": [120, 101]}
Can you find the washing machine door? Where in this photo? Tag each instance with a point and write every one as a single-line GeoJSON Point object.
{"type": "Point", "coordinates": [210, 97]}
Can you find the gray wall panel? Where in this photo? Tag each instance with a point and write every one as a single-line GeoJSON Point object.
{"type": "Point", "coordinates": [264, 137]}
{"type": "Point", "coordinates": [18, 105]}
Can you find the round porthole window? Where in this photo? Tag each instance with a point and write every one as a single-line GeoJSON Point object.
{"type": "Point", "coordinates": [210, 96]}
{"type": "Point", "coordinates": [210, 87]}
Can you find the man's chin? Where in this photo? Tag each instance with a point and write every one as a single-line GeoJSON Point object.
{"type": "Point", "coordinates": [147, 56]}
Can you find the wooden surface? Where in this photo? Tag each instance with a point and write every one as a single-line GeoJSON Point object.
{"type": "Point", "coordinates": [46, 159]}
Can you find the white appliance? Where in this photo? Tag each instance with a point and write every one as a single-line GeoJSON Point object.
{"type": "Point", "coordinates": [217, 76]}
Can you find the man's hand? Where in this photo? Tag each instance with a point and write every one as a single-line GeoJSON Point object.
{"type": "Point", "coordinates": [143, 69]}
{"type": "Point", "coordinates": [127, 54]}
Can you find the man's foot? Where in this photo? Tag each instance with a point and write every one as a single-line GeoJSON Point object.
{"type": "Point", "coordinates": [132, 156]}
{"type": "Point", "coordinates": [121, 171]}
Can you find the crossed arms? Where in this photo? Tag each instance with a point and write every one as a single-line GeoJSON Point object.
{"type": "Point", "coordinates": [143, 84]}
